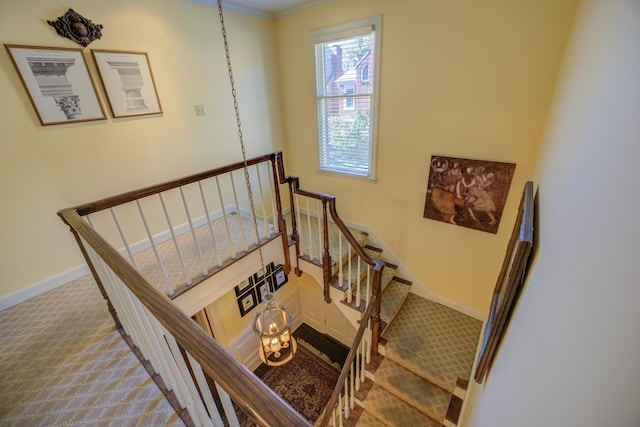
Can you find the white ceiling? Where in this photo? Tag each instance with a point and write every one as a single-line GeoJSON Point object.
{"type": "Point", "coordinates": [265, 8]}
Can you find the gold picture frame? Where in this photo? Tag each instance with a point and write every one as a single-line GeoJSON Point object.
{"type": "Point", "coordinates": [128, 82]}
{"type": "Point", "coordinates": [58, 83]}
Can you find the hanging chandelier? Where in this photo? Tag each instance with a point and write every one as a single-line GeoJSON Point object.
{"type": "Point", "coordinates": [272, 323]}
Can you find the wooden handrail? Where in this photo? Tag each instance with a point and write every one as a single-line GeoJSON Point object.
{"type": "Point", "coordinates": [346, 367]}
{"type": "Point", "coordinates": [294, 182]}
{"type": "Point", "coordinates": [258, 401]}
{"type": "Point", "coordinates": [130, 196]}
{"type": "Point", "coordinates": [373, 309]}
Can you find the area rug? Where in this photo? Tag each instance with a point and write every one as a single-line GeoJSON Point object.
{"type": "Point", "coordinates": [306, 383]}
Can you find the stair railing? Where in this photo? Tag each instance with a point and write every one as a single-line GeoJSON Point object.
{"type": "Point", "coordinates": [149, 320]}
{"type": "Point", "coordinates": [158, 327]}
{"type": "Point", "coordinates": [317, 250]}
{"type": "Point", "coordinates": [352, 375]}
{"type": "Point", "coordinates": [365, 343]}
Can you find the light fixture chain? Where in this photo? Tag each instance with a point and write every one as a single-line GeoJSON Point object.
{"type": "Point", "coordinates": [238, 123]}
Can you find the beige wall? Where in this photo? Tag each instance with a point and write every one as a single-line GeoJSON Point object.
{"type": "Point", "coordinates": [571, 355]}
{"type": "Point", "coordinates": [47, 168]}
{"type": "Point", "coordinates": [468, 79]}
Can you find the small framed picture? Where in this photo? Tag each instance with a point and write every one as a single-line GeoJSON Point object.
{"type": "Point", "coordinates": [58, 83]}
{"type": "Point", "coordinates": [279, 278]}
{"type": "Point", "coordinates": [128, 82]}
{"type": "Point", "coordinates": [247, 302]}
{"type": "Point", "coordinates": [259, 275]}
{"type": "Point", "coordinates": [244, 286]}
{"type": "Point", "coordinates": [263, 288]}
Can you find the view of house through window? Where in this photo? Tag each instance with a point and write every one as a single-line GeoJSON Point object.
{"type": "Point", "coordinates": [346, 71]}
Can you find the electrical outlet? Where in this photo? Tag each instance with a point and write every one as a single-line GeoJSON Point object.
{"type": "Point", "coordinates": [199, 110]}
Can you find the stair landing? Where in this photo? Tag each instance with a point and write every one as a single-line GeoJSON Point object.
{"type": "Point", "coordinates": [433, 341]}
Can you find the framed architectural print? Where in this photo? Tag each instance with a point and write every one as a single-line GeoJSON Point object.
{"type": "Point", "coordinates": [508, 284]}
{"type": "Point", "coordinates": [128, 82]}
{"type": "Point", "coordinates": [58, 83]}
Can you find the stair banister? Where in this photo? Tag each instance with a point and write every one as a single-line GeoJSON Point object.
{"type": "Point", "coordinates": [346, 367]}
{"type": "Point", "coordinates": [258, 401]}
{"type": "Point", "coordinates": [293, 183]}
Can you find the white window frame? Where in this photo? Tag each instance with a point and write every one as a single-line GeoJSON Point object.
{"type": "Point", "coordinates": [338, 32]}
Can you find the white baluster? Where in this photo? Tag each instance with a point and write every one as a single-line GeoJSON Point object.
{"type": "Point", "coordinates": [124, 239]}
{"type": "Point", "coordinates": [311, 256]}
{"type": "Point", "coordinates": [321, 218]}
{"type": "Point", "coordinates": [347, 400]}
{"type": "Point", "coordinates": [195, 405]}
{"type": "Point", "coordinates": [274, 209]}
{"type": "Point", "coordinates": [185, 273]}
{"type": "Point", "coordinates": [358, 293]}
{"type": "Point", "coordinates": [265, 223]}
{"type": "Point", "coordinates": [211, 233]}
{"type": "Point", "coordinates": [206, 391]}
{"type": "Point", "coordinates": [232, 244]}
{"type": "Point", "coordinates": [205, 271]}
{"type": "Point", "coordinates": [165, 276]}
{"type": "Point", "coordinates": [227, 405]}
{"type": "Point", "coordinates": [245, 244]}
{"type": "Point", "coordinates": [340, 263]}
{"type": "Point", "coordinates": [349, 286]}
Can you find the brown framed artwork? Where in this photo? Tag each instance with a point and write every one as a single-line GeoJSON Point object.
{"type": "Point", "coordinates": [466, 192]}
{"type": "Point", "coordinates": [509, 282]}
{"type": "Point", "coordinates": [128, 82]}
{"type": "Point", "coordinates": [58, 83]}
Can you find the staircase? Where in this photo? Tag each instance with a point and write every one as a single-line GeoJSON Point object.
{"type": "Point", "coordinates": [426, 354]}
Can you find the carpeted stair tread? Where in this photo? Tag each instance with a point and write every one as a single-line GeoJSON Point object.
{"type": "Point", "coordinates": [355, 269]}
{"type": "Point", "coordinates": [368, 420]}
{"type": "Point", "coordinates": [392, 299]}
{"type": "Point", "coordinates": [393, 411]}
{"type": "Point", "coordinates": [420, 393]}
{"type": "Point", "coordinates": [444, 348]}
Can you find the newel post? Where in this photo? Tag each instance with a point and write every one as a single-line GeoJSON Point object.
{"type": "Point", "coordinates": [326, 257]}
{"type": "Point", "coordinates": [376, 322]}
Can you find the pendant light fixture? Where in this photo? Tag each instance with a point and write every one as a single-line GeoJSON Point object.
{"type": "Point", "coordinates": [272, 324]}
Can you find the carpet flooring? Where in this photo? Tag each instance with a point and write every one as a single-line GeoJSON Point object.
{"type": "Point", "coordinates": [62, 362]}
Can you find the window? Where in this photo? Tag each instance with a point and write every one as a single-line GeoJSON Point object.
{"type": "Point", "coordinates": [364, 74]}
{"type": "Point", "coordinates": [349, 101]}
{"type": "Point", "coordinates": [347, 63]}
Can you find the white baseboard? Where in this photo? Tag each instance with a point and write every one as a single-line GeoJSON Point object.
{"type": "Point", "coordinates": [40, 288]}
{"type": "Point", "coordinates": [51, 283]}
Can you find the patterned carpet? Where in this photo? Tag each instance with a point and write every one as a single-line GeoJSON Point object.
{"type": "Point", "coordinates": [306, 382]}
{"type": "Point", "coordinates": [62, 362]}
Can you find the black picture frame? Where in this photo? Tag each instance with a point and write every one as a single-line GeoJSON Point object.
{"type": "Point", "coordinates": [243, 286]}
{"type": "Point", "coordinates": [247, 302]}
{"type": "Point", "coordinates": [279, 278]}
{"type": "Point", "coordinates": [263, 288]}
{"type": "Point", "coordinates": [259, 275]}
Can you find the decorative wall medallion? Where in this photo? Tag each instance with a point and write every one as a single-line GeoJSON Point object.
{"type": "Point", "coordinates": [76, 27]}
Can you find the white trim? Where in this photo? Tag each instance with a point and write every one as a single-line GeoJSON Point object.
{"type": "Point", "coordinates": [53, 282]}
{"type": "Point", "coordinates": [372, 24]}
{"type": "Point", "coordinates": [40, 288]}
